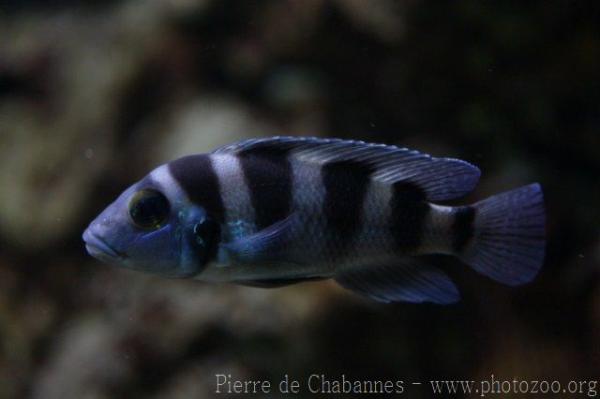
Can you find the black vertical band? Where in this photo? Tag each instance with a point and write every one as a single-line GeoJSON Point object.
{"type": "Point", "coordinates": [196, 176]}
{"type": "Point", "coordinates": [268, 174]}
{"type": "Point", "coordinates": [346, 184]}
{"type": "Point", "coordinates": [462, 227]}
{"type": "Point", "coordinates": [409, 210]}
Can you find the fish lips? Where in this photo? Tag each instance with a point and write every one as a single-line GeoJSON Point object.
{"type": "Point", "coordinates": [100, 249]}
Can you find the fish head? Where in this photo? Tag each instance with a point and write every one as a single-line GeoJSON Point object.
{"type": "Point", "coordinates": [153, 227]}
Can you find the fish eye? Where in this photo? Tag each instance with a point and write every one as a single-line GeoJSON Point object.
{"type": "Point", "coordinates": [149, 209]}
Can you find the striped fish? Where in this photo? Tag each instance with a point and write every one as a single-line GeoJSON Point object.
{"type": "Point", "coordinates": [275, 211]}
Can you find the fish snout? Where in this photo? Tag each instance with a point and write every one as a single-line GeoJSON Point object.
{"type": "Point", "coordinates": [98, 247]}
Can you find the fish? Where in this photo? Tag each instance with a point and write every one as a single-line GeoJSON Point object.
{"type": "Point", "coordinates": [274, 211]}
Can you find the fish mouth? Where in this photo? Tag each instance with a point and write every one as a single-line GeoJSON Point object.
{"type": "Point", "coordinates": [97, 247]}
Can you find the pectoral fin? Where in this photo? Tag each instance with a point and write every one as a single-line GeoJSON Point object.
{"type": "Point", "coordinates": [266, 245]}
{"type": "Point", "coordinates": [409, 280]}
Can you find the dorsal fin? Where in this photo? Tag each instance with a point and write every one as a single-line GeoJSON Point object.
{"type": "Point", "coordinates": [440, 178]}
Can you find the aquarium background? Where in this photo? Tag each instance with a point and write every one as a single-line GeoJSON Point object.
{"type": "Point", "coordinates": [95, 94]}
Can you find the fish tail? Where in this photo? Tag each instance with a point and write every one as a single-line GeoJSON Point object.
{"type": "Point", "coordinates": [506, 240]}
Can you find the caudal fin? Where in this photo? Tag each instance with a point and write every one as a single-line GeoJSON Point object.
{"type": "Point", "coordinates": [508, 241]}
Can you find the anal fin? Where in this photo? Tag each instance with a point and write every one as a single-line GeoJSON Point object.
{"type": "Point", "coordinates": [407, 280]}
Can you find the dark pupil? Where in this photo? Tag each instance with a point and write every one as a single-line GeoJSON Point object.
{"type": "Point", "coordinates": [149, 209]}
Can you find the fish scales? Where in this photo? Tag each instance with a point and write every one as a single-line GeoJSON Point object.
{"type": "Point", "coordinates": [333, 220]}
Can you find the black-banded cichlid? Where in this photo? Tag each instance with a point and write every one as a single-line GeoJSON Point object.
{"type": "Point", "coordinates": [274, 211]}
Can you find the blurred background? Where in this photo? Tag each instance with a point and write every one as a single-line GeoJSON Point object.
{"type": "Point", "coordinates": [93, 94]}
